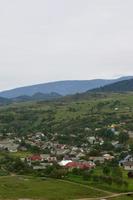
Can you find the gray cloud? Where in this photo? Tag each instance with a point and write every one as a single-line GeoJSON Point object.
{"type": "Point", "coordinates": [46, 40]}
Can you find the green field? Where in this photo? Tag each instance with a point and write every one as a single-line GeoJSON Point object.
{"type": "Point", "coordinates": [102, 185]}
{"type": "Point", "coordinates": [28, 187]}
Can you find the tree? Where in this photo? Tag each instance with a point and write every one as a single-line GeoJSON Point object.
{"type": "Point", "coordinates": [58, 173]}
{"type": "Point", "coordinates": [87, 175]}
{"type": "Point", "coordinates": [106, 170]}
{"type": "Point", "coordinates": [117, 172]}
{"type": "Point", "coordinates": [107, 146]}
{"type": "Point", "coordinates": [131, 148]}
{"type": "Point", "coordinates": [123, 137]}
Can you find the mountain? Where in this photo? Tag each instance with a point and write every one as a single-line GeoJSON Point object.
{"type": "Point", "coordinates": [21, 98]}
{"type": "Point", "coordinates": [121, 86]}
{"type": "Point", "coordinates": [60, 87]}
{"type": "Point", "coordinates": [36, 97]}
{"type": "Point", "coordinates": [42, 96]}
{"type": "Point", "coordinates": [5, 101]}
{"type": "Point", "coordinates": [25, 98]}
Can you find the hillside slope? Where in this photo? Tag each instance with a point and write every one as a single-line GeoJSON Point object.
{"type": "Point", "coordinates": [67, 117]}
{"type": "Point", "coordinates": [122, 86]}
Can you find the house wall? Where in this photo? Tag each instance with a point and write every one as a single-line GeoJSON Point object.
{"type": "Point", "coordinates": [128, 168]}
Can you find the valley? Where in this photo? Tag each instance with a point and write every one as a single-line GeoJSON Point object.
{"type": "Point", "coordinates": [86, 141]}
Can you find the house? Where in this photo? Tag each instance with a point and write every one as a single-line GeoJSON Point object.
{"type": "Point", "coordinates": [22, 148]}
{"type": "Point", "coordinates": [91, 140]}
{"type": "Point", "coordinates": [35, 158]}
{"type": "Point", "coordinates": [80, 165]}
{"type": "Point", "coordinates": [13, 148]}
{"type": "Point", "coordinates": [52, 159]}
{"type": "Point", "coordinates": [128, 166]}
{"type": "Point", "coordinates": [88, 129]}
{"type": "Point", "coordinates": [48, 158]}
{"type": "Point", "coordinates": [108, 157]}
{"type": "Point", "coordinates": [130, 133]}
{"type": "Point", "coordinates": [45, 157]}
{"type": "Point", "coordinates": [99, 159]}
{"type": "Point", "coordinates": [128, 158]}
{"type": "Point", "coordinates": [73, 153]}
{"type": "Point", "coordinates": [117, 146]}
{"type": "Point", "coordinates": [39, 135]}
{"type": "Point", "coordinates": [61, 146]}
{"type": "Point", "coordinates": [64, 162]}
{"type": "Point", "coordinates": [60, 152]}
{"type": "Point", "coordinates": [39, 167]}
{"type": "Point", "coordinates": [9, 145]}
{"type": "Point", "coordinates": [75, 148]}
{"type": "Point", "coordinates": [80, 155]}
{"type": "Point", "coordinates": [115, 143]}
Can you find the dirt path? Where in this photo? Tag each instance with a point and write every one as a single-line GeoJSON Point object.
{"type": "Point", "coordinates": [109, 194]}
{"type": "Point", "coordinates": [108, 197]}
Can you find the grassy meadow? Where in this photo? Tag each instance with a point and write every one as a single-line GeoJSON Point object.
{"type": "Point", "coordinates": [102, 185]}
{"type": "Point", "coordinates": [18, 187]}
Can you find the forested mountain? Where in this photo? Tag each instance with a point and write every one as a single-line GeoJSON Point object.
{"type": "Point", "coordinates": [26, 98]}
{"type": "Point", "coordinates": [60, 87]}
{"type": "Point", "coordinates": [122, 86]}
{"type": "Point", "coordinates": [37, 97]}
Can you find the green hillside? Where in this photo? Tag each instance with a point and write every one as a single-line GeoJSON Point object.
{"type": "Point", "coordinates": [69, 115]}
{"type": "Point", "coordinates": [35, 188]}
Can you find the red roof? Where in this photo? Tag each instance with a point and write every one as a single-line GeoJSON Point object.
{"type": "Point", "coordinates": [79, 165]}
{"type": "Point", "coordinates": [35, 158]}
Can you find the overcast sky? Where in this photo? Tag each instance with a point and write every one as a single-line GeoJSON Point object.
{"type": "Point", "coordinates": [48, 40]}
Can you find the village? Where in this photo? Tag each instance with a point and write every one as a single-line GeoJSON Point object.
{"type": "Point", "coordinates": [39, 152]}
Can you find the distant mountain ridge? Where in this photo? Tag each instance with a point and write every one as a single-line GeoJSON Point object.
{"type": "Point", "coordinates": [36, 97]}
{"type": "Point", "coordinates": [60, 87]}
{"type": "Point", "coordinates": [26, 98]}
{"type": "Point", "coordinates": [121, 86]}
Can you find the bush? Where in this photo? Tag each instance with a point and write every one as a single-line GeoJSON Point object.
{"type": "Point", "coordinates": [106, 170]}
{"type": "Point", "coordinates": [86, 175]}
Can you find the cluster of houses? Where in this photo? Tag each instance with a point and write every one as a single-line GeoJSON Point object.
{"type": "Point", "coordinates": [41, 162]}
{"type": "Point", "coordinates": [8, 145]}
{"type": "Point", "coordinates": [67, 156]}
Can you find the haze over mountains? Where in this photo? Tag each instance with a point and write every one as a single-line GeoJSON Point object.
{"type": "Point", "coordinates": [59, 88]}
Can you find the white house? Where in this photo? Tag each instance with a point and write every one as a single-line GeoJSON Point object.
{"type": "Point", "coordinates": [128, 166]}
{"type": "Point", "coordinates": [92, 140]}
{"type": "Point", "coordinates": [64, 162]}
